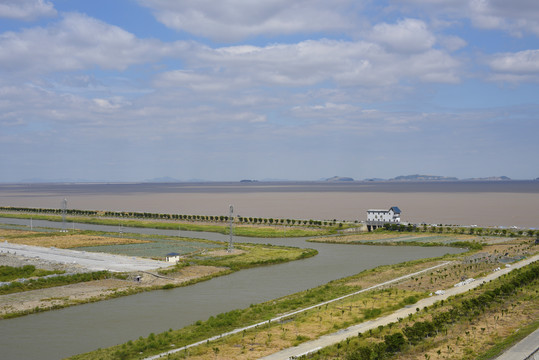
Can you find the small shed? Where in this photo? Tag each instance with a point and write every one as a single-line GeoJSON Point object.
{"type": "Point", "coordinates": [172, 257]}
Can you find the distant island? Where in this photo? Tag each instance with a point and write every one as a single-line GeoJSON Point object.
{"type": "Point", "coordinates": [423, 178]}
{"type": "Point", "coordinates": [418, 177]}
{"type": "Point", "coordinates": [164, 179]}
{"type": "Point", "coordinates": [172, 180]}
{"type": "Point", "coordinates": [340, 178]}
{"type": "Point", "coordinates": [492, 178]}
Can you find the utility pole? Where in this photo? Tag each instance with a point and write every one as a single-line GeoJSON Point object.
{"type": "Point", "coordinates": [231, 231]}
{"type": "Point", "coordinates": [64, 210]}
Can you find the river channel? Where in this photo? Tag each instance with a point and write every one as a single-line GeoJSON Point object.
{"type": "Point", "coordinates": [62, 333]}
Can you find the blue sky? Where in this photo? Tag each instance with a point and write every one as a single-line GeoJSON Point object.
{"type": "Point", "coordinates": [129, 90]}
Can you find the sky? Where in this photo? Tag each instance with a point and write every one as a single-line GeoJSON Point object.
{"type": "Point", "coordinates": [130, 90]}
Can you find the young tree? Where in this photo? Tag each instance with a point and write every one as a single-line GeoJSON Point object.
{"type": "Point", "coordinates": [394, 342]}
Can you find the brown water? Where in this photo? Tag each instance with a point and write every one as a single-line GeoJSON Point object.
{"type": "Point", "coordinates": [503, 203]}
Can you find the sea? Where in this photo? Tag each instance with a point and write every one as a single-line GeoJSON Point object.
{"type": "Point", "coordinates": [483, 203]}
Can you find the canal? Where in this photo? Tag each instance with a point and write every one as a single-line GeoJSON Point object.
{"type": "Point", "coordinates": [61, 333]}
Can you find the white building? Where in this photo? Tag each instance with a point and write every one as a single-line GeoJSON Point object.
{"type": "Point", "coordinates": [172, 257]}
{"type": "Point", "coordinates": [377, 217]}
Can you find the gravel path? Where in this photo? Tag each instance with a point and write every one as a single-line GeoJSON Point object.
{"type": "Point", "coordinates": [79, 259]}
{"type": "Point", "coordinates": [526, 349]}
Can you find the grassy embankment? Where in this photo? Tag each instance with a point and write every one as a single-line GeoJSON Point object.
{"type": "Point", "coordinates": [392, 238]}
{"type": "Point", "coordinates": [10, 273]}
{"type": "Point", "coordinates": [334, 318]}
{"type": "Point", "coordinates": [264, 230]}
{"type": "Point", "coordinates": [66, 240]}
{"type": "Point", "coordinates": [252, 255]}
{"type": "Point", "coordinates": [478, 324]}
{"type": "Point", "coordinates": [245, 256]}
{"type": "Point", "coordinates": [314, 323]}
{"type": "Point", "coordinates": [48, 282]}
{"type": "Point", "coordinates": [38, 278]}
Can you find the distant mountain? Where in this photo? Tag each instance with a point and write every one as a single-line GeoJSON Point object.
{"type": "Point", "coordinates": [340, 178]}
{"type": "Point", "coordinates": [59, 181]}
{"type": "Point", "coordinates": [491, 178]}
{"type": "Point", "coordinates": [423, 178]}
{"type": "Point", "coordinates": [248, 181]}
{"type": "Point", "coordinates": [164, 179]}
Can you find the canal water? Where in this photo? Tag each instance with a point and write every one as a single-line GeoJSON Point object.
{"type": "Point", "coordinates": [61, 333]}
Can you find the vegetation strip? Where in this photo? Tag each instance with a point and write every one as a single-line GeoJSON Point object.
{"type": "Point", "coordinates": [420, 330]}
{"type": "Point", "coordinates": [10, 273]}
{"type": "Point", "coordinates": [249, 255]}
{"type": "Point", "coordinates": [60, 280]}
{"type": "Point", "coordinates": [250, 227]}
{"type": "Point", "coordinates": [282, 317]}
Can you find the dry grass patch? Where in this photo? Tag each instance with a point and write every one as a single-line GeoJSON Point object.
{"type": "Point", "coordinates": [362, 237]}
{"type": "Point", "coordinates": [73, 241]}
{"type": "Point", "coordinates": [466, 340]}
{"type": "Point", "coordinates": [392, 272]}
{"type": "Point", "coordinates": [14, 232]}
{"type": "Point", "coordinates": [268, 339]}
{"type": "Point", "coordinates": [224, 252]}
{"type": "Point", "coordinates": [445, 278]}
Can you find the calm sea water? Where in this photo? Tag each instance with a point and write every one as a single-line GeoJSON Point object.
{"type": "Point", "coordinates": [484, 203]}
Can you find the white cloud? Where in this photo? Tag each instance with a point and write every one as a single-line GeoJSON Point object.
{"type": "Point", "coordinates": [346, 63]}
{"type": "Point", "coordinates": [408, 35]}
{"type": "Point", "coordinates": [193, 81]}
{"type": "Point", "coordinates": [76, 42]}
{"type": "Point", "coordinates": [328, 109]}
{"type": "Point", "coordinates": [115, 102]}
{"type": "Point", "coordinates": [231, 20]}
{"type": "Point", "coordinates": [522, 66]}
{"type": "Point", "coordinates": [515, 16]}
{"type": "Point", "coordinates": [26, 10]}
{"type": "Point", "coordinates": [452, 43]}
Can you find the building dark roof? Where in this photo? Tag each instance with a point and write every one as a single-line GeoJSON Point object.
{"type": "Point", "coordinates": [173, 254]}
{"type": "Point", "coordinates": [395, 209]}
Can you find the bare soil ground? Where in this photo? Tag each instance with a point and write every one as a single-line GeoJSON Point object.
{"type": "Point", "coordinates": [62, 241]}
{"type": "Point", "coordinates": [73, 294]}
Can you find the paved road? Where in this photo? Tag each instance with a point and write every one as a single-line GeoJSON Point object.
{"type": "Point", "coordinates": [523, 349]}
{"type": "Point", "coordinates": [330, 339]}
{"type": "Point", "coordinates": [89, 260]}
